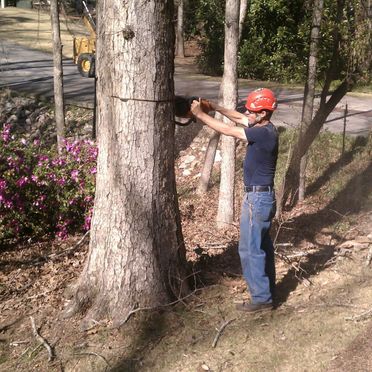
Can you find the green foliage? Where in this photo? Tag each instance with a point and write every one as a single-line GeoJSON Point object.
{"type": "Point", "coordinates": [325, 154]}
{"type": "Point", "coordinates": [274, 41]}
{"type": "Point", "coordinates": [276, 38]}
{"type": "Point", "coordinates": [209, 17]}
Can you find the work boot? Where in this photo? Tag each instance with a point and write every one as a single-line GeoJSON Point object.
{"type": "Point", "coordinates": [253, 308]}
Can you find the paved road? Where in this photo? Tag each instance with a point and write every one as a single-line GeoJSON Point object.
{"type": "Point", "coordinates": [31, 71]}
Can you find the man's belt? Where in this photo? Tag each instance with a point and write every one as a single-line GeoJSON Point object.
{"type": "Point", "coordinates": [258, 188]}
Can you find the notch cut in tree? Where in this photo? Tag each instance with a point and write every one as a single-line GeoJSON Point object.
{"type": "Point", "coordinates": [136, 255]}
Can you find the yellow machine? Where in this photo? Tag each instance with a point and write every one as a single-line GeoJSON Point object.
{"type": "Point", "coordinates": [84, 48]}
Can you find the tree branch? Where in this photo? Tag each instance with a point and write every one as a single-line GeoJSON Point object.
{"type": "Point", "coordinates": [42, 339]}
{"type": "Point", "coordinates": [220, 330]}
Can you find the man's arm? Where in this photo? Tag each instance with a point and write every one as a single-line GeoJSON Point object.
{"type": "Point", "coordinates": [217, 125]}
{"type": "Point", "coordinates": [233, 115]}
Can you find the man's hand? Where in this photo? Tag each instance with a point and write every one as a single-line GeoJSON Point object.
{"type": "Point", "coordinates": [196, 108]}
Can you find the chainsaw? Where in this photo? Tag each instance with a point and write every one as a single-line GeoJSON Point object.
{"type": "Point", "coordinates": [183, 108]}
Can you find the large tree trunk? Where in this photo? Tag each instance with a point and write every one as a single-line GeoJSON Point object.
{"type": "Point", "coordinates": [136, 253]}
{"type": "Point", "coordinates": [309, 92]}
{"type": "Point", "coordinates": [215, 136]}
{"type": "Point", "coordinates": [57, 74]}
{"type": "Point", "coordinates": [225, 214]}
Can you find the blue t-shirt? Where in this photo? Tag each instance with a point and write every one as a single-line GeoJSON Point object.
{"type": "Point", "coordinates": [262, 154]}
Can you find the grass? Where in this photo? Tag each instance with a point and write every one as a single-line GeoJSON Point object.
{"type": "Point", "coordinates": [326, 159]}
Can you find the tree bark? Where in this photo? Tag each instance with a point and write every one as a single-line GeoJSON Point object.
{"type": "Point", "coordinates": [57, 74]}
{"type": "Point", "coordinates": [309, 92]}
{"type": "Point", "coordinates": [215, 137]}
{"type": "Point", "coordinates": [136, 254]}
{"type": "Point", "coordinates": [242, 15]}
{"type": "Point", "coordinates": [225, 213]}
{"type": "Point", "coordinates": [179, 36]}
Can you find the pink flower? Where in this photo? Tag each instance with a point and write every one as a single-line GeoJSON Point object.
{"type": "Point", "coordinates": [61, 181]}
{"type": "Point", "coordinates": [88, 220]}
{"type": "Point", "coordinates": [8, 204]}
{"type": "Point", "coordinates": [23, 181]}
{"type": "Point", "coordinates": [2, 185]}
{"type": "Point", "coordinates": [74, 175]}
{"type": "Point", "coordinates": [6, 132]}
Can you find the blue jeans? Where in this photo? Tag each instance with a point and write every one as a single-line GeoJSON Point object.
{"type": "Point", "coordinates": [256, 249]}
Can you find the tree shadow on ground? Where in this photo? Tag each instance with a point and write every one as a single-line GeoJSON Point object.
{"type": "Point", "coordinates": [353, 198]}
{"type": "Point", "coordinates": [150, 328]}
{"type": "Point", "coordinates": [306, 227]}
{"type": "Point", "coordinates": [145, 331]}
{"type": "Point", "coordinates": [14, 20]}
{"type": "Point", "coordinates": [344, 160]}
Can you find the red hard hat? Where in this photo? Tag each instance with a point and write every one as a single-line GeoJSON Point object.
{"type": "Point", "coordinates": [261, 99]}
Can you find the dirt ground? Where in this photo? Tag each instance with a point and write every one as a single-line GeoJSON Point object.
{"type": "Point", "coordinates": [322, 323]}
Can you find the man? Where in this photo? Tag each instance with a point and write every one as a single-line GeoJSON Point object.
{"type": "Point", "coordinates": [256, 249]}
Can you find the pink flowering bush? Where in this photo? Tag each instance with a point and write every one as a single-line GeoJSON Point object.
{"type": "Point", "coordinates": [42, 192]}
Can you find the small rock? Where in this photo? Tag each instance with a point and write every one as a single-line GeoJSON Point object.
{"type": "Point", "coordinates": [186, 172]}
{"type": "Point", "coordinates": [188, 159]}
{"type": "Point", "coordinates": [13, 118]}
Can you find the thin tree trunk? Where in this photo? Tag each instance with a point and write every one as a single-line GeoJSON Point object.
{"type": "Point", "coordinates": [208, 161]}
{"type": "Point", "coordinates": [215, 137]}
{"type": "Point", "coordinates": [309, 92]}
{"type": "Point", "coordinates": [225, 213]}
{"type": "Point", "coordinates": [57, 74]}
{"type": "Point", "coordinates": [290, 185]}
{"type": "Point", "coordinates": [179, 36]}
{"type": "Point", "coordinates": [136, 255]}
{"type": "Point", "coordinates": [288, 190]}
{"type": "Point", "coordinates": [242, 15]}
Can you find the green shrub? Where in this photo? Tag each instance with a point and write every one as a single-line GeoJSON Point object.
{"type": "Point", "coordinates": [43, 192]}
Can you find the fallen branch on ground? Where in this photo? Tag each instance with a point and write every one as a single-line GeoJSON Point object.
{"type": "Point", "coordinates": [297, 268]}
{"type": "Point", "coordinates": [59, 254]}
{"type": "Point", "coordinates": [42, 339]}
{"type": "Point", "coordinates": [220, 330]}
{"type": "Point", "coordinates": [364, 316]}
{"type": "Point", "coordinates": [154, 307]}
